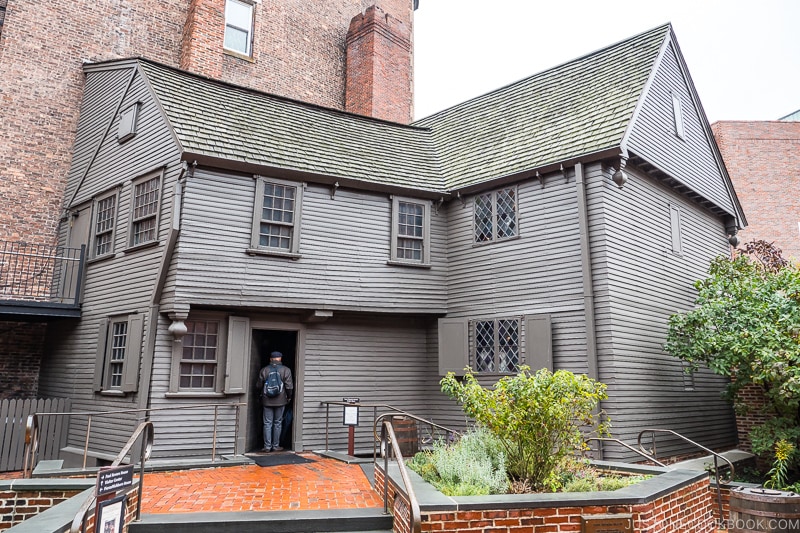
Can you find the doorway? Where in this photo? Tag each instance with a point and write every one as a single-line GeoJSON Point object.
{"type": "Point", "coordinates": [264, 342]}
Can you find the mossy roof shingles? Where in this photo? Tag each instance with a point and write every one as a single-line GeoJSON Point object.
{"type": "Point", "coordinates": [577, 108]}
{"type": "Point", "coordinates": [224, 121]}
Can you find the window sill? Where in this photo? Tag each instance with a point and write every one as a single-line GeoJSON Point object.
{"type": "Point", "coordinates": [100, 258]}
{"type": "Point", "coordinates": [194, 394]}
{"type": "Point", "coordinates": [496, 241]}
{"type": "Point", "coordinates": [117, 393]}
{"type": "Point", "coordinates": [259, 251]}
{"type": "Point", "coordinates": [138, 247]}
{"type": "Point", "coordinates": [394, 262]}
{"type": "Point", "coordinates": [238, 55]}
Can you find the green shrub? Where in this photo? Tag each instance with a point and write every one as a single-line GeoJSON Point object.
{"type": "Point", "coordinates": [537, 418]}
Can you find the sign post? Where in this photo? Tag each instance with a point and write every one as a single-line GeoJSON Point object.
{"type": "Point", "coordinates": [350, 419]}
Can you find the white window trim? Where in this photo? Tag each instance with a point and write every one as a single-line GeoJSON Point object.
{"type": "Point", "coordinates": [248, 53]}
{"type": "Point", "coordinates": [113, 231]}
{"type": "Point", "coordinates": [426, 232]}
{"type": "Point", "coordinates": [677, 111]}
{"type": "Point", "coordinates": [159, 174]}
{"type": "Point", "coordinates": [175, 388]}
{"type": "Point", "coordinates": [495, 238]}
{"type": "Point", "coordinates": [294, 248]}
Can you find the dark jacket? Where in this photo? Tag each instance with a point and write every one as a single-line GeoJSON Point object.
{"type": "Point", "coordinates": [288, 387]}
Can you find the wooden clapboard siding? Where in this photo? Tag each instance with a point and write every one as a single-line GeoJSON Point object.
{"type": "Point", "coordinates": [344, 248]}
{"type": "Point", "coordinates": [117, 285]}
{"type": "Point", "coordinates": [639, 283]}
{"type": "Point", "coordinates": [690, 160]}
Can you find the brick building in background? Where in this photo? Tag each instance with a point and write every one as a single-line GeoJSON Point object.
{"type": "Point", "coordinates": [333, 53]}
{"type": "Point", "coordinates": [763, 160]}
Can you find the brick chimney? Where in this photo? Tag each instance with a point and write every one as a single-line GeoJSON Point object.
{"type": "Point", "coordinates": [203, 35]}
{"type": "Point", "coordinates": [379, 71]}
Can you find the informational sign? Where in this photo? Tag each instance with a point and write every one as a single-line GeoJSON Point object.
{"type": "Point", "coordinates": [114, 479]}
{"type": "Point", "coordinates": [607, 523]}
{"type": "Point", "coordinates": [350, 415]}
{"type": "Point", "coordinates": [111, 515]}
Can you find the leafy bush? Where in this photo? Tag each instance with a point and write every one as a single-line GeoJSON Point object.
{"type": "Point", "coordinates": [746, 326]}
{"type": "Point", "coordinates": [473, 465]}
{"type": "Point", "coordinates": [537, 418]}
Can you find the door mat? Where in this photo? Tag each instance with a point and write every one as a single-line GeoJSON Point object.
{"type": "Point", "coordinates": [278, 459]}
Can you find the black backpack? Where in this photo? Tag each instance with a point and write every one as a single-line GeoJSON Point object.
{"type": "Point", "coordinates": [273, 385]}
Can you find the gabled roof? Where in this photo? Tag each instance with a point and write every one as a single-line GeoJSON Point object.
{"type": "Point", "coordinates": [580, 107]}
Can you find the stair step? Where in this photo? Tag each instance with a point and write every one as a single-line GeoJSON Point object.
{"type": "Point", "coordinates": [330, 521]}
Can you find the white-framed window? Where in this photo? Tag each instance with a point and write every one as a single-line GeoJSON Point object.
{"type": "Point", "coordinates": [495, 215]}
{"type": "Point", "coordinates": [496, 345]}
{"type": "Point", "coordinates": [276, 217]}
{"type": "Point", "coordinates": [677, 111]}
{"type": "Point", "coordinates": [198, 368]}
{"type": "Point", "coordinates": [145, 202]}
{"type": "Point", "coordinates": [410, 231]}
{"type": "Point", "coordinates": [119, 348]}
{"type": "Point", "coordinates": [239, 26]}
{"type": "Point", "coordinates": [103, 225]}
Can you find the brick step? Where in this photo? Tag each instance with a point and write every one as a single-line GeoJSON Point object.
{"type": "Point", "coordinates": [330, 521]}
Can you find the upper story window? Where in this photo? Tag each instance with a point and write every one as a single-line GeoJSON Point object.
{"type": "Point", "coordinates": [496, 345]}
{"type": "Point", "coordinates": [677, 111]}
{"type": "Point", "coordinates": [276, 219]}
{"type": "Point", "coordinates": [127, 123]}
{"type": "Point", "coordinates": [410, 231]}
{"type": "Point", "coordinates": [105, 216]}
{"type": "Point", "coordinates": [496, 215]}
{"type": "Point", "coordinates": [239, 26]}
{"type": "Point", "coordinates": [144, 209]}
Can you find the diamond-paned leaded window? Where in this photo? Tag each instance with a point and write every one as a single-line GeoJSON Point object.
{"type": "Point", "coordinates": [496, 345]}
{"type": "Point", "coordinates": [198, 366]}
{"type": "Point", "coordinates": [105, 218]}
{"type": "Point", "coordinates": [496, 215]}
{"type": "Point", "coordinates": [145, 210]}
{"type": "Point", "coordinates": [119, 339]}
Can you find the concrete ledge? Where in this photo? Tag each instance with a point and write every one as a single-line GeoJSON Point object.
{"type": "Point", "coordinates": [57, 518]}
{"type": "Point", "coordinates": [339, 456]}
{"type": "Point", "coordinates": [54, 484]}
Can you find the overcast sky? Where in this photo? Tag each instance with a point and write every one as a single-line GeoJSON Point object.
{"type": "Point", "coordinates": [744, 56]}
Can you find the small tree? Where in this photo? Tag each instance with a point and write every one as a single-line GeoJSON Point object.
{"type": "Point", "coordinates": [537, 417]}
{"type": "Point", "coordinates": [746, 326]}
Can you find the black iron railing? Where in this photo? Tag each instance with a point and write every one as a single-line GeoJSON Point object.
{"type": "Point", "coordinates": [41, 273]}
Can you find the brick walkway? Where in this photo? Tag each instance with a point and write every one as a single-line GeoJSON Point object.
{"type": "Point", "coordinates": [322, 484]}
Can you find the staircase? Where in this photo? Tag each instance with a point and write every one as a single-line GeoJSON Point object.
{"type": "Point", "coordinates": [334, 520]}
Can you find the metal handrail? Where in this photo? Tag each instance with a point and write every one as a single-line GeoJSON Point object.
{"type": "Point", "coordinates": [717, 477]}
{"type": "Point", "coordinates": [629, 447]}
{"type": "Point", "coordinates": [416, 517]}
{"type": "Point", "coordinates": [375, 417]}
{"type": "Point", "coordinates": [147, 448]}
{"type": "Point", "coordinates": [32, 429]}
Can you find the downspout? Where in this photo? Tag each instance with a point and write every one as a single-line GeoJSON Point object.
{"type": "Point", "coordinates": [154, 311]}
{"type": "Point", "coordinates": [588, 285]}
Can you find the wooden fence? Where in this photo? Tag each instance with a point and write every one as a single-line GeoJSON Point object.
{"type": "Point", "coordinates": [52, 430]}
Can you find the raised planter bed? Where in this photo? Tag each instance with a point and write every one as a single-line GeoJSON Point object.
{"type": "Point", "coordinates": [672, 500]}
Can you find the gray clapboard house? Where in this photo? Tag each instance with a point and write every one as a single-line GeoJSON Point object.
{"type": "Point", "coordinates": [223, 223]}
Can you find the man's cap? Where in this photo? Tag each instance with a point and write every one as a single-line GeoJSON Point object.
{"type": "Point", "coordinates": [275, 355]}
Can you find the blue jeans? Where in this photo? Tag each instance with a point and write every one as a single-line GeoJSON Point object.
{"type": "Point", "coordinates": [273, 420]}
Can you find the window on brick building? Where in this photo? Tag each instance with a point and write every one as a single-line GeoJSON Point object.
{"type": "Point", "coordinates": [239, 26]}
{"type": "Point", "coordinates": [410, 231]}
{"type": "Point", "coordinates": [276, 217]}
{"type": "Point", "coordinates": [105, 217]}
{"type": "Point", "coordinates": [495, 215]}
{"type": "Point", "coordinates": [119, 348]}
{"type": "Point", "coordinates": [144, 209]}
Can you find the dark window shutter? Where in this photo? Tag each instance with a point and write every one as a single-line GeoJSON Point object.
{"type": "Point", "coordinates": [133, 354]}
{"type": "Point", "coordinates": [538, 342]}
{"type": "Point", "coordinates": [100, 359]}
{"type": "Point", "coordinates": [453, 345]}
{"type": "Point", "coordinates": [236, 364]}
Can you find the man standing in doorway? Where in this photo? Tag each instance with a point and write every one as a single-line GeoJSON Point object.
{"type": "Point", "coordinates": [275, 386]}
